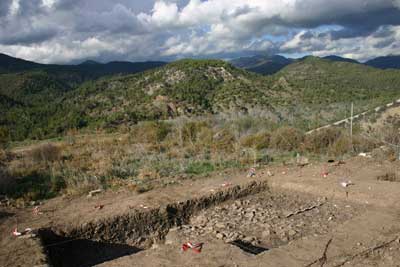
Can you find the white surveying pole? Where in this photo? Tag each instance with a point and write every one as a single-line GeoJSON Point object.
{"type": "Point", "coordinates": [351, 123]}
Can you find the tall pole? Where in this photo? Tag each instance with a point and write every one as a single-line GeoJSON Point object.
{"type": "Point", "coordinates": [351, 123]}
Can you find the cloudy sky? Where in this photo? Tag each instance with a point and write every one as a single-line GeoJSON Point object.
{"type": "Point", "coordinates": [64, 31]}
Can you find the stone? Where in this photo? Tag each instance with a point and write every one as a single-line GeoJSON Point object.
{"type": "Point", "coordinates": [266, 233]}
{"type": "Point", "coordinates": [234, 235]}
{"type": "Point", "coordinates": [94, 192]}
{"type": "Point", "coordinates": [220, 225]}
{"type": "Point", "coordinates": [249, 239]}
{"type": "Point", "coordinates": [219, 235]}
{"type": "Point", "coordinates": [291, 233]}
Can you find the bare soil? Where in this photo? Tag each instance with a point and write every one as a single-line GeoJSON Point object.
{"type": "Point", "coordinates": [293, 219]}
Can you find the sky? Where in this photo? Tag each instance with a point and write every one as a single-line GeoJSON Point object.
{"type": "Point", "coordinates": [68, 31]}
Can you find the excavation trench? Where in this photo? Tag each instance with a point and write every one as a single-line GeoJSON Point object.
{"type": "Point", "coordinates": [125, 234]}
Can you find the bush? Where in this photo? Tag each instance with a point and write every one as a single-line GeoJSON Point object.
{"type": "Point", "coordinates": [392, 135]}
{"type": "Point", "coordinates": [287, 138]}
{"type": "Point", "coordinates": [151, 132]}
{"type": "Point", "coordinates": [205, 137]}
{"type": "Point", "coordinates": [363, 144]}
{"type": "Point", "coordinates": [257, 141]}
{"type": "Point", "coordinates": [199, 168]}
{"type": "Point", "coordinates": [46, 153]}
{"type": "Point", "coordinates": [143, 188]}
{"type": "Point", "coordinates": [340, 147]}
{"type": "Point", "coordinates": [389, 177]}
{"type": "Point", "coordinates": [5, 179]}
{"type": "Point", "coordinates": [224, 141]}
{"type": "Point", "coordinates": [36, 186]}
{"type": "Point", "coordinates": [191, 130]}
{"type": "Point", "coordinates": [319, 142]}
{"type": "Point", "coordinates": [4, 137]}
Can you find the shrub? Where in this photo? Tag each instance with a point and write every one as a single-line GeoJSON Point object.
{"type": "Point", "coordinates": [318, 142]}
{"type": "Point", "coordinates": [124, 168]}
{"type": "Point", "coordinates": [224, 141]}
{"type": "Point", "coordinates": [391, 135]}
{"type": "Point", "coordinates": [191, 130]}
{"type": "Point", "coordinates": [389, 177]}
{"type": "Point", "coordinates": [36, 186]}
{"type": "Point", "coordinates": [340, 147]}
{"type": "Point", "coordinates": [78, 182]}
{"type": "Point", "coordinates": [363, 144]}
{"type": "Point", "coordinates": [287, 138]}
{"type": "Point", "coordinates": [46, 153]}
{"type": "Point", "coordinates": [143, 188]}
{"type": "Point", "coordinates": [205, 137]}
{"type": "Point", "coordinates": [5, 179]}
{"type": "Point", "coordinates": [151, 132]}
{"type": "Point", "coordinates": [4, 137]}
{"type": "Point", "coordinates": [199, 167]}
{"type": "Point", "coordinates": [257, 141]}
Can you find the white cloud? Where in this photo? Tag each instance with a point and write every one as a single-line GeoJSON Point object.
{"type": "Point", "coordinates": [48, 3]}
{"type": "Point", "coordinates": [384, 41]}
{"type": "Point", "coordinates": [14, 8]}
{"type": "Point", "coordinates": [67, 30]}
{"type": "Point", "coordinates": [164, 14]}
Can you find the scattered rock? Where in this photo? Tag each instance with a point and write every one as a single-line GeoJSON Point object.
{"type": "Point", "coordinates": [260, 219]}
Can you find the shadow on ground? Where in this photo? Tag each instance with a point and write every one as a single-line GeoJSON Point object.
{"type": "Point", "coordinates": [65, 252]}
{"type": "Point", "coordinates": [4, 215]}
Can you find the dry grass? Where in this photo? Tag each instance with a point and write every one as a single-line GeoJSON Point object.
{"type": "Point", "coordinates": [320, 141]}
{"type": "Point", "coordinates": [46, 153]}
{"type": "Point", "coordinates": [154, 154]}
{"type": "Point", "coordinates": [287, 139]}
{"type": "Point", "coordinates": [257, 141]}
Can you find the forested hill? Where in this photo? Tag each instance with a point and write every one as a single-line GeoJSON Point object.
{"type": "Point", "coordinates": [306, 93]}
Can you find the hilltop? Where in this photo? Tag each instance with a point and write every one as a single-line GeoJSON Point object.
{"type": "Point", "coordinates": [341, 59]}
{"type": "Point", "coordinates": [262, 64]}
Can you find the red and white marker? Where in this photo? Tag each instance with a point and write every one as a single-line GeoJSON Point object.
{"type": "Point", "coordinates": [195, 247]}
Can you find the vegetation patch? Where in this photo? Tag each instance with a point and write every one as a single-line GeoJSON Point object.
{"type": "Point", "coordinates": [389, 177]}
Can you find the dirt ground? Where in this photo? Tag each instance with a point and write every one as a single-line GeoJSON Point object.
{"type": "Point", "coordinates": [301, 215]}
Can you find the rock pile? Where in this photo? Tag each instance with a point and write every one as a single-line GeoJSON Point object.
{"type": "Point", "coordinates": [262, 219]}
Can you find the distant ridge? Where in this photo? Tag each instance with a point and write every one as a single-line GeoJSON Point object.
{"type": "Point", "coordinates": [341, 59]}
{"type": "Point", "coordinates": [90, 62]}
{"type": "Point", "coordinates": [12, 64]}
{"type": "Point", "coordinates": [88, 69]}
{"type": "Point", "coordinates": [268, 65]}
{"type": "Point", "coordinates": [262, 64]}
{"type": "Point", "coordinates": [387, 62]}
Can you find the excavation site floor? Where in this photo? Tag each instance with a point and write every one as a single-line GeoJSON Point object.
{"type": "Point", "coordinates": [283, 216]}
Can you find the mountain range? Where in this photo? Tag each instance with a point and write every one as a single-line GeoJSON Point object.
{"type": "Point", "coordinates": [87, 70]}
{"type": "Point", "coordinates": [268, 65]}
{"type": "Point", "coordinates": [41, 101]}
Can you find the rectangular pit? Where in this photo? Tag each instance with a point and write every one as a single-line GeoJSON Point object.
{"type": "Point", "coordinates": [108, 239]}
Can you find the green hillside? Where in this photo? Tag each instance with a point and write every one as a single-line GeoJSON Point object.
{"type": "Point", "coordinates": [307, 93]}
{"type": "Point", "coordinates": [262, 64]}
